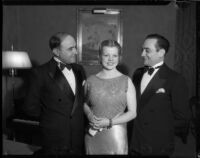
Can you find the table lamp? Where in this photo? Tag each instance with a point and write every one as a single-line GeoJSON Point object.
{"type": "Point", "coordinates": [13, 60]}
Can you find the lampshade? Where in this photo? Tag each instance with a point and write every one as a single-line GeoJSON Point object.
{"type": "Point", "coordinates": [15, 59]}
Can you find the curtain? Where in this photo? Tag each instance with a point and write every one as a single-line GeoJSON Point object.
{"type": "Point", "coordinates": [185, 44]}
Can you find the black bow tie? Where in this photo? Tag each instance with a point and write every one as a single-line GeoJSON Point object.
{"type": "Point", "coordinates": [62, 66]}
{"type": "Point", "coordinates": [150, 69]}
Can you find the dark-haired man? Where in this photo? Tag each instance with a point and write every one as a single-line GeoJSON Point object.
{"type": "Point", "coordinates": [55, 95]}
{"type": "Point", "coordinates": [162, 99]}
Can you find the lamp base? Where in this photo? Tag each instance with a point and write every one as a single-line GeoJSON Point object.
{"type": "Point", "coordinates": [12, 72]}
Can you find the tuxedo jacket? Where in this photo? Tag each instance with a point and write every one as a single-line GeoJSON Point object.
{"type": "Point", "coordinates": [161, 108]}
{"type": "Point", "coordinates": [60, 112]}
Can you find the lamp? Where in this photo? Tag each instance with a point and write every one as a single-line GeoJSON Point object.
{"type": "Point", "coordinates": [13, 60]}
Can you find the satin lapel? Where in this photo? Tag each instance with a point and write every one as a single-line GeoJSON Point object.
{"type": "Point", "coordinates": [156, 82]}
{"type": "Point", "coordinates": [60, 79]}
{"type": "Point", "coordinates": [78, 89]}
{"type": "Point", "coordinates": [137, 83]}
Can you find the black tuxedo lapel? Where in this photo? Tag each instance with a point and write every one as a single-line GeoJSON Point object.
{"type": "Point", "coordinates": [78, 88]}
{"type": "Point", "coordinates": [156, 82]}
{"type": "Point", "coordinates": [137, 77]}
{"type": "Point", "coordinates": [56, 74]}
{"type": "Point", "coordinates": [137, 80]}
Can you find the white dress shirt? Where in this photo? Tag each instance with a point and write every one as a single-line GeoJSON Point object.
{"type": "Point", "coordinates": [69, 75]}
{"type": "Point", "coordinates": [147, 78]}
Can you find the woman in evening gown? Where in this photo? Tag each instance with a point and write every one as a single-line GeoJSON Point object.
{"type": "Point", "coordinates": [108, 94]}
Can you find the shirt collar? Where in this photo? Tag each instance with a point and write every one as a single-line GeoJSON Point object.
{"type": "Point", "coordinates": [158, 64]}
{"type": "Point", "coordinates": [58, 60]}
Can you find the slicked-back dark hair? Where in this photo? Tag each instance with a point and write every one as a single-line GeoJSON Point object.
{"type": "Point", "coordinates": [162, 42]}
{"type": "Point", "coordinates": [56, 39]}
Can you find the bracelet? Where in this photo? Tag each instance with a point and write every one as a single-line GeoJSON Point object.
{"type": "Point", "coordinates": [90, 114]}
{"type": "Point", "coordinates": [110, 123]}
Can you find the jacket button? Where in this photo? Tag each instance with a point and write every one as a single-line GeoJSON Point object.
{"type": "Point", "coordinates": [146, 123]}
{"type": "Point", "coordinates": [59, 100]}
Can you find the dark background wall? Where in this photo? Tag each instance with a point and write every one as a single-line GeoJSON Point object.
{"type": "Point", "coordinates": [29, 28]}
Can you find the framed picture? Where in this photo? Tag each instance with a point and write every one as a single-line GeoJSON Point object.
{"type": "Point", "coordinates": [94, 26]}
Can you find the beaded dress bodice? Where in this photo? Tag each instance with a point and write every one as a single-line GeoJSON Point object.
{"type": "Point", "coordinates": [107, 97]}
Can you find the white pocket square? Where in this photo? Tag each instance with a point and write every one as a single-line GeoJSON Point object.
{"type": "Point", "coordinates": [160, 90]}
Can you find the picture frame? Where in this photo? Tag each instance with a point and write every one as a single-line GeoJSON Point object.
{"type": "Point", "coordinates": [94, 26]}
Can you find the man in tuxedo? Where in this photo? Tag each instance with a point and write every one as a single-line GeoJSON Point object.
{"type": "Point", "coordinates": [55, 96]}
{"type": "Point", "coordinates": [162, 99]}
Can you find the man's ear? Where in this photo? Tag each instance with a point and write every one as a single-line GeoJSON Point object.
{"type": "Point", "coordinates": [55, 52]}
{"type": "Point", "coordinates": [162, 52]}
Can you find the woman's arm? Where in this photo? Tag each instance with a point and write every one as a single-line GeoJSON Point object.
{"type": "Point", "coordinates": [88, 112]}
{"type": "Point", "coordinates": [86, 108]}
{"type": "Point", "coordinates": [131, 105]}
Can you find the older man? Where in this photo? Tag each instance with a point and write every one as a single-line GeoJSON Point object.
{"type": "Point", "coordinates": [55, 95]}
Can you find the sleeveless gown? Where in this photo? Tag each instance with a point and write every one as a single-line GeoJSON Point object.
{"type": "Point", "coordinates": [107, 98]}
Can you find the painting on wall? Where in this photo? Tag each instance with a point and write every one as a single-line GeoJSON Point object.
{"type": "Point", "coordinates": [94, 26]}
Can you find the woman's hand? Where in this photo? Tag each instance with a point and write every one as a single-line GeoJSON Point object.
{"type": "Point", "coordinates": [92, 118]}
{"type": "Point", "coordinates": [100, 122]}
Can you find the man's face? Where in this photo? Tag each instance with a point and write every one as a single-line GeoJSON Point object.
{"type": "Point", "coordinates": [67, 51]}
{"type": "Point", "coordinates": [150, 53]}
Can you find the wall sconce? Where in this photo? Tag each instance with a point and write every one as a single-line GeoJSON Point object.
{"type": "Point", "coordinates": [13, 60]}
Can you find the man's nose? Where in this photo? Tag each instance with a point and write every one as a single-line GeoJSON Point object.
{"type": "Point", "coordinates": [75, 51]}
{"type": "Point", "coordinates": [143, 53]}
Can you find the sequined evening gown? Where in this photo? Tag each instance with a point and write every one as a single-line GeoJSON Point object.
{"type": "Point", "coordinates": [107, 98]}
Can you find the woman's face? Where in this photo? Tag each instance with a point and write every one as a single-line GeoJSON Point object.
{"type": "Point", "coordinates": [110, 57]}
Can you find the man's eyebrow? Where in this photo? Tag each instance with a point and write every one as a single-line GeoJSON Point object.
{"type": "Point", "coordinates": [71, 47]}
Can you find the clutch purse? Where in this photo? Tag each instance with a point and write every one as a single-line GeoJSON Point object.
{"type": "Point", "coordinates": [93, 131]}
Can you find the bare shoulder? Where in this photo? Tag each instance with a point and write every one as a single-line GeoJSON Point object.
{"type": "Point", "coordinates": [130, 83]}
